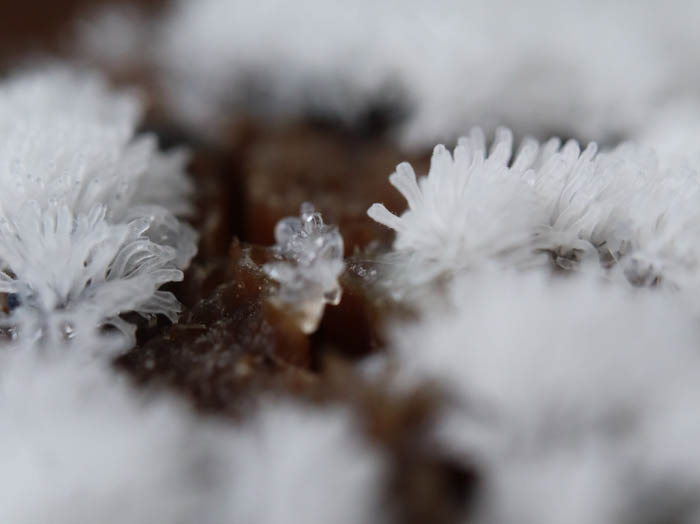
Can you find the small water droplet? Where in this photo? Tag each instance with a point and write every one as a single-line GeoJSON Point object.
{"type": "Point", "coordinates": [67, 330]}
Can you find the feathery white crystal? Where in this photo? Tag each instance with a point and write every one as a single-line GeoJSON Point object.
{"type": "Point", "coordinates": [639, 211]}
{"type": "Point", "coordinates": [584, 196]}
{"type": "Point", "coordinates": [72, 274]}
{"type": "Point", "coordinates": [621, 209]}
{"type": "Point", "coordinates": [471, 209]}
{"type": "Point", "coordinates": [617, 210]}
{"type": "Point", "coordinates": [87, 213]}
{"type": "Point", "coordinates": [311, 260]}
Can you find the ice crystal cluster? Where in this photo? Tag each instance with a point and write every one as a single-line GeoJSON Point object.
{"type": "Point", "coordinates": [450, 220]}
{"type": "Point", "coordinates": [311, 260]}
{"type": "Point", "coordinates": [619, 212]}
{"type": "Point", "coordinates": [88, 226]}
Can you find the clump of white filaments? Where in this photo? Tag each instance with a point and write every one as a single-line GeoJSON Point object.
{"type": "Point", "coordinates": [88, 214]}
{"type": "Point", "coordinates": [310, 261]}
{"type": "Point", "coordinates": [473, 208]}
{"type": "Point", "coordinates": [615, 212]}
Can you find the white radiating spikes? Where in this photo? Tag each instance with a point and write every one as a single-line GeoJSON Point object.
{"type": "Point", "coordinates": [88, 209]}
{"type": "Point", "coordinates": [471, 208]}
{"type": "Point", "coordinates": [585, 209]}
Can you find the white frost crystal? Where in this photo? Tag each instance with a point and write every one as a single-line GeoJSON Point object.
{"type": "Point", "coordinates": [472, 208]}
{"type": "Point", "coordinates": [70, 274]}
{"type": "Point", "coordinates": [311, 260]}
{"type": "Point", "coordinates": [88, 209]}
{"type": "Point", "coordinates": [619, 211]}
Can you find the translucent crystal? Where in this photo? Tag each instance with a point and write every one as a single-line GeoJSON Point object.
{"type": "Point", "coordinates": [310, 259]}
{"type": "Point", "coordinates": [67, 330]}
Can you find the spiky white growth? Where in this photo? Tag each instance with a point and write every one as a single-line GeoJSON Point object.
{"type": "Point", "coordinates": [572, 396]}
{"type": "Point", "coordinates": [88, 208]}
{"type": "Point", "coordinates": [618, 211]}
{"type": "Point", "coordinates": [310, 261]}
{"type": "Point", "coordinates": [71, 275]}
{"type": "Point", "coordinates": [628, 209]}
{"type": "Point", "coordinates": [622, 209]}
{"type": "Point", "coordinates": [584, 195]}
{"type": "Point", "coordinates": [471, 209]}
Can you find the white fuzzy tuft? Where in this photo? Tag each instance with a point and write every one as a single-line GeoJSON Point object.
{"type": "Point", "coordinates": [87, 213]}
{"type": "Point", "coordinates": [620, 211]}
{"type": "Point", "coordinates": [469, 210]}
{"type": "Point", "coordinates": [73, 275]}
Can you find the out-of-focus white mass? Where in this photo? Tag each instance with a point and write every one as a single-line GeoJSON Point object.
{"type": "Point", "coordinates": [575, 398]}
{"type": "Point", "coordinates": [593, 70]}
{"type": "Point", "coordinates": [80, 446]}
